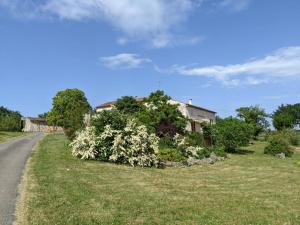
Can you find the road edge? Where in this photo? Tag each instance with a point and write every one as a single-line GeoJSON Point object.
{"type": "Point", "coordinates": [21, 210]}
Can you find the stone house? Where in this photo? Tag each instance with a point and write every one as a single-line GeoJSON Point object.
{"type": "Point", "coordinates": [197, 114]}
{"type": "Point", "coordinates": [31, 124]}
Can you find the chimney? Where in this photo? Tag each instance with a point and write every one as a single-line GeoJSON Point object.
{"type": "Point", "coordinates": [190, 102]}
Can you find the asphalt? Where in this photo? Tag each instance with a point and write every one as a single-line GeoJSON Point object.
{"type": "Point", "coordinates": [13, 157]}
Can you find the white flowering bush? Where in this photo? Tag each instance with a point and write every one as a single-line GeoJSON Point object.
{"type": "Point", "coordinates": [85, 145]}
{"type": "Point", "coordinates": [180, 141]}
{"type": "Point", "coordinates": [135, 146]}
{"type": "Point", "coordinates": [192, 152]}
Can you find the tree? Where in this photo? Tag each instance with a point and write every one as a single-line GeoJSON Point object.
{"type": "Point", "coordinates": [162, 117]}
{"type": "Point", "coordinates": [231, 133]}
{"type": "Point", "coordinates": [69, 108]}
{"type": "Point", "coordinates": [255, 116]}
{"type": "Point", "coordinates": [129, 104]}
{"type": "Point", "coordinates": [10, 120]}
{"type": "Point", "coordinates": [113, 117]}
{"type": "Point", "coordinates": [286, 116]}
{"type": "Point", "coordinates": [43, 115]}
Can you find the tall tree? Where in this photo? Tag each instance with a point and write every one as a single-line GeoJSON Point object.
{"type": "Point", "coordinates": [162, 117]}
{"type": "Point", "coordinates": [255, 116]}
{"type": "Point", "coordinates": [129, 104]}
{"type": "Point", "coordinates": [286, 116]}
{"type": "Point", "coordinates": [231, 133]}
{"type": "Point", "coordinates": [69, 108]}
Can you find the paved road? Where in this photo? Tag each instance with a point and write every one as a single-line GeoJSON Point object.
{"type": "Point", "coordinates": [13, 157]}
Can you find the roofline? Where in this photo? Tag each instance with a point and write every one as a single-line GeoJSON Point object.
{"type": "Point", "coordinates": [197, 107]}
{"type": "Point", "coordinates": [194, 106]}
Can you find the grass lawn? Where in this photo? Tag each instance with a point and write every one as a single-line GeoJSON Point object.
{"type": "Point", "coordinates": [5, 136]}
{"type": "Point", "coordinates": [250, 188]}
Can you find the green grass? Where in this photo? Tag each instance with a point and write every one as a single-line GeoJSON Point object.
{"type": "Point", "coordinates": [5, 136]}
{"type": "Point", "coordinates": [248, 188]}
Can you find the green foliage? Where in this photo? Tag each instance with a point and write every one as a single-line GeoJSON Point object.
{"type": "Point", "coordinates": [162, 117]}
{"type": "Point", "coordinates": [206, 152]}
{"type": "Point", "coordinates": [170, 154]}
{"type": "Point", "coordinates": [194, 139]}
{"type": "Point", "coordinates": [278, 144]}
{"type": "Point", "coordinates": [231, 133]}
{"type": "Point", "coordinates": [69, 107]}
{"type": "Point", "coordinates": [10, 120]}
{"type": "Point", "coordinates": [132, 145]}
{"type": "Point", "coordinates": [291, 136]}
{"type": "Point", "coordinates": [129, 104]}
{"type": "Point", "coordinates": [113, 117]}
{"type": "Point", "coordinates": [255, 116]}
{"type": "Point", "coordinates": [43, 115]}
{"type": "Point", "coordinates": [286, 116]}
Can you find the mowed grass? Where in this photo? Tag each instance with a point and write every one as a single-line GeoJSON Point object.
{"type": "Point", "coordinates": [5, 136]}
{"type": "Point", "coordinates": [247, 188]}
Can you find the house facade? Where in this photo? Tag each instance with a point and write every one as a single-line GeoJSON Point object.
{"type": "Point", "coordinates": [31, 124]}
{"type": "Point", "coordinates": [196, 114]}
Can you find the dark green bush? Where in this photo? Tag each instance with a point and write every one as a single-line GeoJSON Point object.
{"type": "Point", "coordinates": [166, 142]}
{"type": "Point", "coordinates": [278, 144]}
{"type": "Point", "coordinates": [114, 118]}
{"type": "Point", "coordinates": [231, 133]}
{"type": "Point", "coordinates": [10, 120]}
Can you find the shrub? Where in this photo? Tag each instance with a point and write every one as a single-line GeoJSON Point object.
{"type": "Point", "coordinates": [132, 145]}
{"type": "Point", "coordinates": [9, 120]}
{"type": "Point", "coordinates": [231, 133]}
{"type": "Point", "coordinates": [194, 139]}
{"type": "Point", "coordinates": [205, 152]}
{"type": "Point", "coordinates": [171, 154]}
{"type": "Point", "coordinates": [162, 117]}
{"type": "Point", "coordinates": [291, 136]}
{"type": "Point", "coordinates": [113, 117]}
{"type": "Point", "coordinates": [85, 145]}
{"type": "Point", "coordinates": [278, 144]}
{"type": "Point", "coordinates": [191, 152]}
{"type": "Point", "coordinates": [135, 146]}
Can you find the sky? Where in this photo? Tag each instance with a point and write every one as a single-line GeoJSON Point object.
{"type": "Point", "coordinates": [222, 54]}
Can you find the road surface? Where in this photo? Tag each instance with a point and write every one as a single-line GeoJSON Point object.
{"type": "Point", "coordinates": [13, 157]}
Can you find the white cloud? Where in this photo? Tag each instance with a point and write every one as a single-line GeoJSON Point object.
{"type": "Point", "coordinates": [236, 5]}
{"type": "Point", "coordinates": [152, 20]}
{"type": "Point", "coordinates": [282, 63]}
{"type": "Point", "coordinates": [124, 60]}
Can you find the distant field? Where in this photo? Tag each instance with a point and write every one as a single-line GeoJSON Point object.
{"type": "Point", "coordinates": [248, 188]}
{"type": "Point", "coordinates": [5, 136]}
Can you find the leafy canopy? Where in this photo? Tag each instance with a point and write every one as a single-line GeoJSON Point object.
{"type": "Point", "coordinates": [10, 120]}
{"type": "Point", "coordinates": [69, 107]}
{"type": "Point", "coordinates": [129, 104]}
{"type": "Point", "coordinates": [231, 133]}
{"type": "Point", "coordinates": [255, 116]}
{"type": "Point", "coordinates": [162, 117]}
{"type": "Point", "coordinates": [286, 116]}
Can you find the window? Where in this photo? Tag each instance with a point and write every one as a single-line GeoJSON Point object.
{"type": "Point", "coordinates": [193, 125]}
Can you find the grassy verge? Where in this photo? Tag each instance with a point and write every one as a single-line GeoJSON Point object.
{"type": "Point", "coordinates": [248, 188]}
{"type": "Point", "coordinates": [5, 136]}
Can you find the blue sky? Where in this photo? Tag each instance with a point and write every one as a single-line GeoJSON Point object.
{"type": "Point", "coordinates": [221, 53]}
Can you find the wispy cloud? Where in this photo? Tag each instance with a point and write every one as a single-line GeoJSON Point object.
{"type": "Point", "coordinates": [235, 5]}
{"type": "Point", "coordinates": [151, 20]}
{"type": "Point", "coordinates": [282, 63]}
{"type": "Point", "coordinates": [124, 60]}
